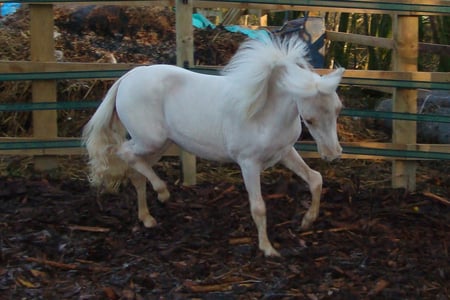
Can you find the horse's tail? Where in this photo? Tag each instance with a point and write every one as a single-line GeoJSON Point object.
{"type": "Point", "coordinates": [102, 135]}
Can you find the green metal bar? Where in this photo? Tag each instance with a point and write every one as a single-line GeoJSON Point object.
{"type": "Point", "coordinates": [62, 75]}
{"type": "Point", "coordinates": [395, 115]}
{"type": "Point", "coordinates": [117, 73]}
{"type": "Point", "coordinates": [9, 107]}
{"type": "Point", "coordinates": [49, 106]}
{"type": "Point", "coordinates": [381, 152]}
{"type": "Point", "coordinates": [348, 4]}
{"type": "Point", "coordinates": [76, 143]}
{"type": "Point", "coordinates": [299, 146]}
{"type": "Point", "coordinates": [397, 153]}
{"type": "Point", "coordinates": [207, 71]}
{"type": "Point", "coordinates": [429, 85]}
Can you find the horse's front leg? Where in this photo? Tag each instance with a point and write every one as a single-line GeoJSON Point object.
{"type": "Point", "coordinates": [294, 162]}
{"type": "Point", "coordinates": [251, 175]}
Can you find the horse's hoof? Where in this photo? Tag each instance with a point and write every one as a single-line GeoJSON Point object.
{"type": "Point", "coordinates": [163, 196]}
{"type": "Point", "coordinates": [306, 223]}
{"type": "Point", "coordinates": [271, 252]}
{"type": "Point", "coordinates": [148, 221]}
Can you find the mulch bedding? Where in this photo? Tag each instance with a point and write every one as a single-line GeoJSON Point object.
{"type": "Point", "coordinates": [63, 240]}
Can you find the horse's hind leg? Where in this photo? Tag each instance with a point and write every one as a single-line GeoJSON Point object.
{"type": "Point", "coordinates": [139, 182]}
{"type": "Point", "coordinates": [294, 162]}
{"type": "Point", "coordinates": [142, 166]}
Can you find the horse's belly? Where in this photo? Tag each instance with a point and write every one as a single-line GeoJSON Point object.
{"type": "Point", "coordinates": [204, 150]}
{"type": "Point", "coordinates": [209, 153]}
{"type": "Point", "coordinates": [204, 143]}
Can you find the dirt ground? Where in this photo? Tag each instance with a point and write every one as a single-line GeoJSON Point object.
{"type": "Point", "coordinates": [61, 239]}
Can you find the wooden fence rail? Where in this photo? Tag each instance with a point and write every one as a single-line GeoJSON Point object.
{"type": "Point", "coordinates": [404, 7]}
{"type": "Point", "coordinates": [405, 79]}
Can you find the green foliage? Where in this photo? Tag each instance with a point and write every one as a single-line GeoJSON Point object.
{"type": "Point", "coordinates": [443, 38]}
{"type": "Point", "coordinates": [379, 26]}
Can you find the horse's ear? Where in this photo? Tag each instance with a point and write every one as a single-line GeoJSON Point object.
{"type": "Point", "coordinates": [329, 83]}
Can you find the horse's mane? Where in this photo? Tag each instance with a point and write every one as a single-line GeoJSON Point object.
{"type": "Point", "coordinates": [253, 66]}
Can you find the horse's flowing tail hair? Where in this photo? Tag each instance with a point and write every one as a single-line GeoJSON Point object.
{"type": "Point", "coordinates": [102, 135]}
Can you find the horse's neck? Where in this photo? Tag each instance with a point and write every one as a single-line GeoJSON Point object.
{"type": "Point", "coordinates": [280, 110]}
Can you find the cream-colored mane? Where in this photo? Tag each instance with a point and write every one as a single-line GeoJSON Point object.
{"type": "Point", "coordinates": [256, 62]}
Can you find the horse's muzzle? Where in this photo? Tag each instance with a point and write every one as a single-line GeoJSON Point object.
{"type": "Point", "coordinates": [332, 155]}
{"type": "Point", "coordinates": [331, 158]}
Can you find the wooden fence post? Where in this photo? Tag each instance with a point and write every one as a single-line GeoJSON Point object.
{"type": "Point", "coordinates": [405, 54]}
{"type": "Point", "coordinates": [185, 58]}
{"type": "Point", "coordinates": [42, 50]}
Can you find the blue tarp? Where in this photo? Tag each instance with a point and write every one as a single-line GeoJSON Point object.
{"type": "Point", "coordinates": [201, 22]}
{"type": "Point", "coordinates": [261, 35]}
{"type": "Point", "coordinates": [9, 8]}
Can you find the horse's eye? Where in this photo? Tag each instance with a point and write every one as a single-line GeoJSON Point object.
{"type": "Point", "coordinates": [309, 121]}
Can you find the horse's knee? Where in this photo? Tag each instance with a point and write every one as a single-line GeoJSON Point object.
{"type": "Point", "coordinates": [315, 181]}
{"type": "Point", "coordinates": [315, 185]}
{"type": "Point", "coordinates": [258, 209]}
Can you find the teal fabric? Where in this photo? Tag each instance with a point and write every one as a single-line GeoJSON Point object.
{"type": "Point", "coordinates": [201, 22]}
{"type": "Point", "coordinates": [9, 8]}
{"type": "Point", "coordinates": [254, 34]}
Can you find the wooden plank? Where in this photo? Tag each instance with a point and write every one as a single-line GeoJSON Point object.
{"type": "Point", "coordinates": [383, 151]}
{"type": "Point", "coordinates": [185, 58]}
{"type": "Point", "coordinates": [443, 77]}
{"type": "Point", "coordinates": [42, 49]}
{"type": "Point", "coordinates": [165, 3]}
{"type": "Point", "coordinates": [407, 7]}
{"type": "Point", "coordinates": [360, 39]}
{"type": "Point", "coordinates": [405, 56]}
{"type": "Point", "coordinates": [444, 148]}
{"type": "Point", "coordinates": [40, 66]}
{"type": "Point", "coordinates": [421, 80]}
{"type": "Point", "coordinates": [7, 67]}
{"type": "Point", "coordinates": [175, 150]}
{"type": "Point", "coordinates": [386, 43]}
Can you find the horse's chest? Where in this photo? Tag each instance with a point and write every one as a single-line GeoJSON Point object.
{"type": "Point", "coordinates": [276, 137]}
{"type": "Point", "coordinates": [266, 145]}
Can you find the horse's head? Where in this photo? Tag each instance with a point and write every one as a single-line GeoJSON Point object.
{"type": "Point", "coordinates": [320, 110]}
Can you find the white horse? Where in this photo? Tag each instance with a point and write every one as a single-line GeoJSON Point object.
{"type": "Point", "coordinates": [250, 115]}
